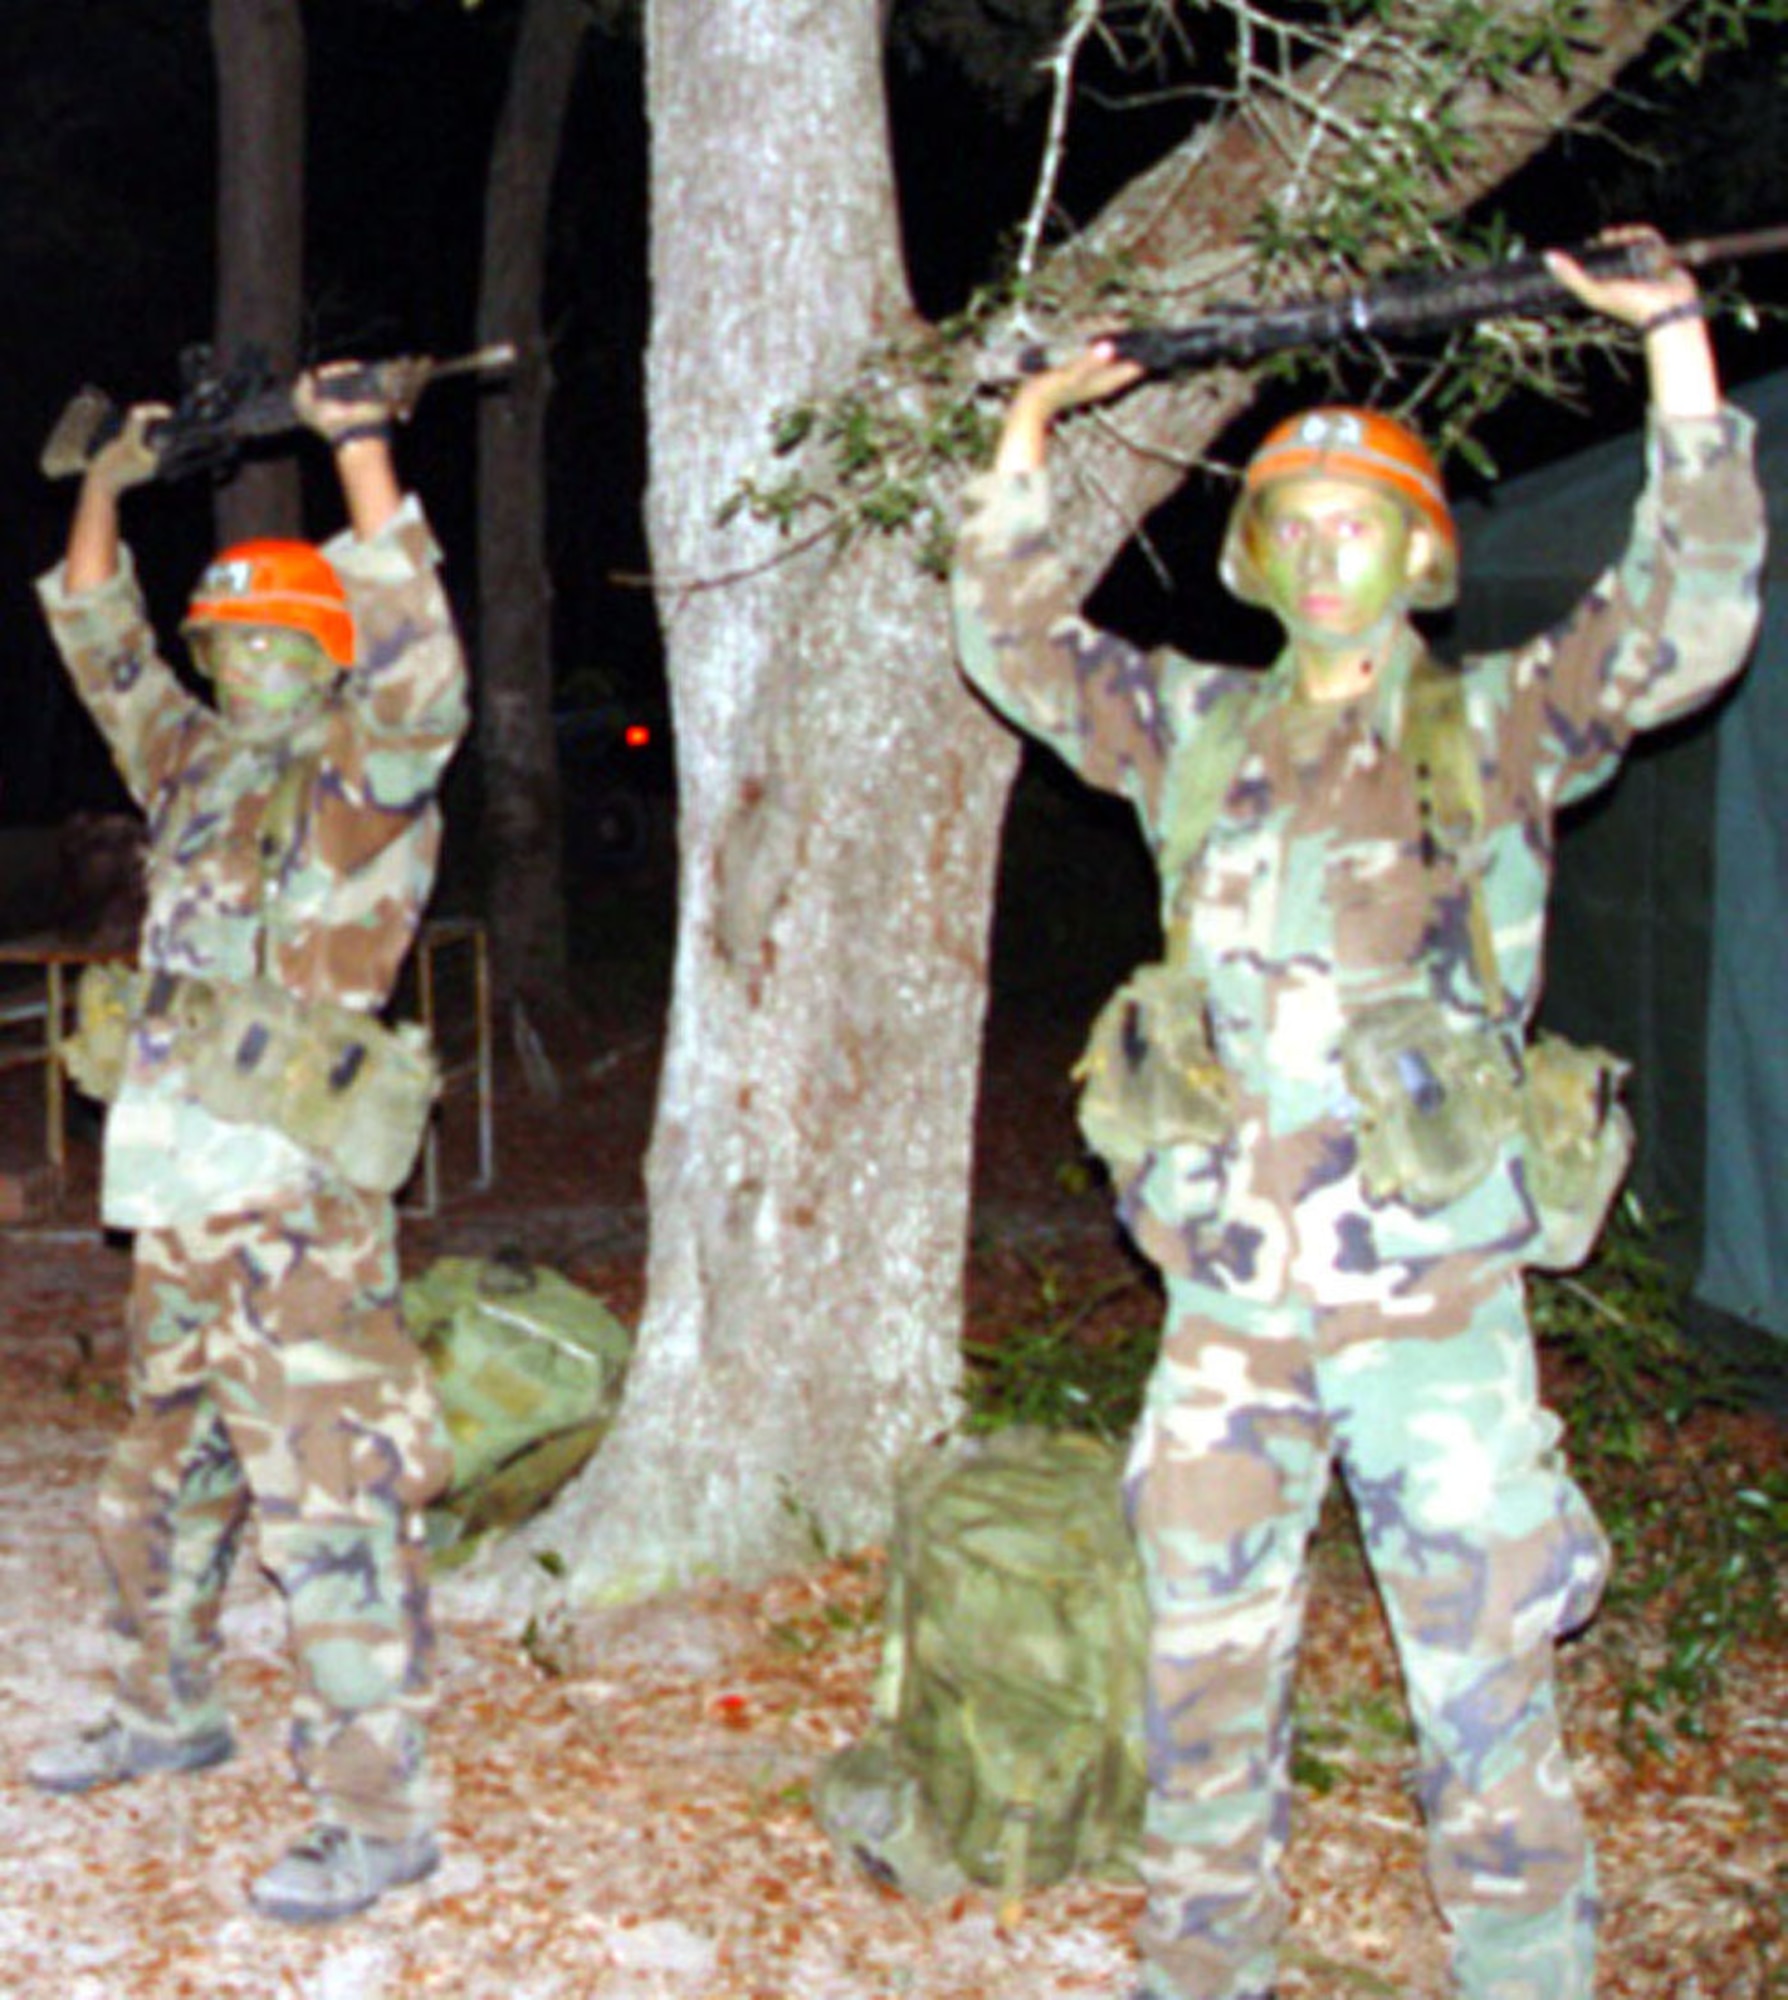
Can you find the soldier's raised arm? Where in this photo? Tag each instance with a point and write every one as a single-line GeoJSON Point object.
{"type": "Point", "coordinates": [1672, 620]}
{"type": "Point", "coordinates": [1092, 376]}
{"type": "Point", "coordinates": [127, 460]}
{"type": "Point", "coordinates": [1666, 309]}
{"type": "Point", "coordinates": [1021, 639]}
{"type": "Point", "coordinates": [357, 429]}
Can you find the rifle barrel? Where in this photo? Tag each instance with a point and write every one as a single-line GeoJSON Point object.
{"type": "Point", "coordinates": [481, 361]}
{"type": "Point", "coordinates": [1723, 249]}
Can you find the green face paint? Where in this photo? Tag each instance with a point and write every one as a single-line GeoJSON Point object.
{"type": "Point", "coordinates": [1335, 559]}
{"type": "Point", "coordinates": [265, 675]}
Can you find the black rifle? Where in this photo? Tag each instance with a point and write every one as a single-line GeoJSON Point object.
{"type": "Point", "coordinates": [222, 408]}
{"type": "Point", "coordinates": [1408, 305]}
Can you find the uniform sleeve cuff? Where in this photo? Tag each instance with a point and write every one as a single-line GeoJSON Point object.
{"type": "Point", "coordinates": [1685, 444]}
{"type": "Point", "coordinates": [403, 548]}
{"type": "Point", "coordinates": [104, 607]}
{"type": "Point", "coordinates": [1003, 508]}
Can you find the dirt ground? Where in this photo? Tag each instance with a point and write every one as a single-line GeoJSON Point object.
{"type": "Point", "coordinates": [637, 1827]}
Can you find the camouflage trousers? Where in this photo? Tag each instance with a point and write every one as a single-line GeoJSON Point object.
{"type": "Point", "coordinates": [271, 1375]}
{"type": "Point", "coordinates": [1484, 1554]}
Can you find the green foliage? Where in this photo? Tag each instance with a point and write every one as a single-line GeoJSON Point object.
{"type": "Point", "coordinates": [1066, 1363]}
{"type": "Point", "coordinates": [1698, 1524]}
{"type": "Point", "coordinates": [882, 456]}
{"type": "Point", "coordinates": [1368, 1727]}
{"type": "Point", "coordinates": [78, 1383]}
{"type": "Point", "coordinates": [1689, 45]}
{"type": "Point", "coordinates": [800, 1511]}
{"type": "Point", "coordinates": [1386, 167]}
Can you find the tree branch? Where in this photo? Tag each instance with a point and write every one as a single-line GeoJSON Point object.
{"type": "Point", "coordinates": [1061, 68]}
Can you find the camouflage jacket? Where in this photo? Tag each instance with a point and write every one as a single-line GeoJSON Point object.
{"type": "Point", "coordinates": [1317, 891]}
{"type": "Point", "coordinates": [308, 861]}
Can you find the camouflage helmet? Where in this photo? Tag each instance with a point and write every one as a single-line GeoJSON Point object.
{"type": "Point", "coordinates": [286, 584]}
{"type": "Point", "coordinates": [1339, 442]}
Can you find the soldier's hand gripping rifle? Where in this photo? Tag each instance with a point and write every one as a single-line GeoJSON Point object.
{"type": "Point", "coordinates": [221, 409]}
{"type": "Point", "coordinates": [1409, 305]}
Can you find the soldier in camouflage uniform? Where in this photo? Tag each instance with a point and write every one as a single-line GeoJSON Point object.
{"type": "Point", "coordinates": [293, 840]}
{"type": "Point", "coordinates": [1311, 1319]}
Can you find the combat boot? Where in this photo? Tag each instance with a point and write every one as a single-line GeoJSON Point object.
{"type": "Point", "coordinates": [333, 1872]}
{"type": "Point", "coordinates": [112, 1752]}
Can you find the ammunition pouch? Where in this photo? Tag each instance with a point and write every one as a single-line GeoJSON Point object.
{"type": "Point", "coordinates": [1439, 1103]}
{"type": "Point", "coordinates": [95, 1054]}
{"type": "Point", "coordinates": [338, 1083]}
{"type": "Point", "coordinates": [1149, 1077]}
{"type": "Point", "coordinates": [1579, 1145]}
{"type": "Point", "coordinates": [1436, 1103]}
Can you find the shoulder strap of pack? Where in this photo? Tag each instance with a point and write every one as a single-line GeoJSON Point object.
{"type": "Point", "coordinates": [1437, 745]}
{"type": "Point", "coordinates": [281, 822]}
{"type": "Point", "coordinates": [1204, 776]}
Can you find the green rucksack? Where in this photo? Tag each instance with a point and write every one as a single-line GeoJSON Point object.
{"type": "Point", "coordinates": [1006, 1745]}
{"type": "Point", "coordinates": [529, 1369]}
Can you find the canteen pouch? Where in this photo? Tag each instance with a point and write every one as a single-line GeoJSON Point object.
{"type": "Point", "coordinates": [1578, 1145]}
{"type": "Point", "coordinates": [342, 1085]}
{"type": "Point", "coordinates": [95, 1054]}
{"type": "Point", "coordinates": [1435, 1102]}
{"type": "Point", "coordinates": [1149, 1077]}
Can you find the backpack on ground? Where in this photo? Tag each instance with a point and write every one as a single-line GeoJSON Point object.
{"type": "Point", "coordinates": [529, 1369]}
{"type": "Point", "coordinates": [1006, 1745]}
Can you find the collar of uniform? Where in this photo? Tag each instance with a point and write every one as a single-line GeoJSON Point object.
{"type": "Point", "coordinates": [1379, 708]}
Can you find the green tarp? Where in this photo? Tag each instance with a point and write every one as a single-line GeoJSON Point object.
{"type": "Point", "coordinates": [1669, 934]}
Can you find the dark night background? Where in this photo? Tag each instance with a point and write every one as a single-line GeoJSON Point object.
{"type": "Point", "coordinates": [106, 226]}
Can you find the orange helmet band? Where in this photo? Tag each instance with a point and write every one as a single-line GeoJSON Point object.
{"type": "Point", "coordinates": [283, 583]}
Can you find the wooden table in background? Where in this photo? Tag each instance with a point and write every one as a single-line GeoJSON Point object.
{"type": "Point", "coordinates": [42, 1012]}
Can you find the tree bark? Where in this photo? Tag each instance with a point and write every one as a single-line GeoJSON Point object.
{"type": "Point", "coordinates": [525, 895]}
{"type": "Point", "coordinates": [809, 1170]}
{"type": "Point", "coordinates": [259, 51]}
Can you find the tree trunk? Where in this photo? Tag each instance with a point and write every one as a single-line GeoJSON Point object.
{"type": "Point", "coordinates": [809, 1169]}
{"type": "Point", "coordinates": [259, 50]}
{"type": "Point", "coordinates": [525, 896]}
